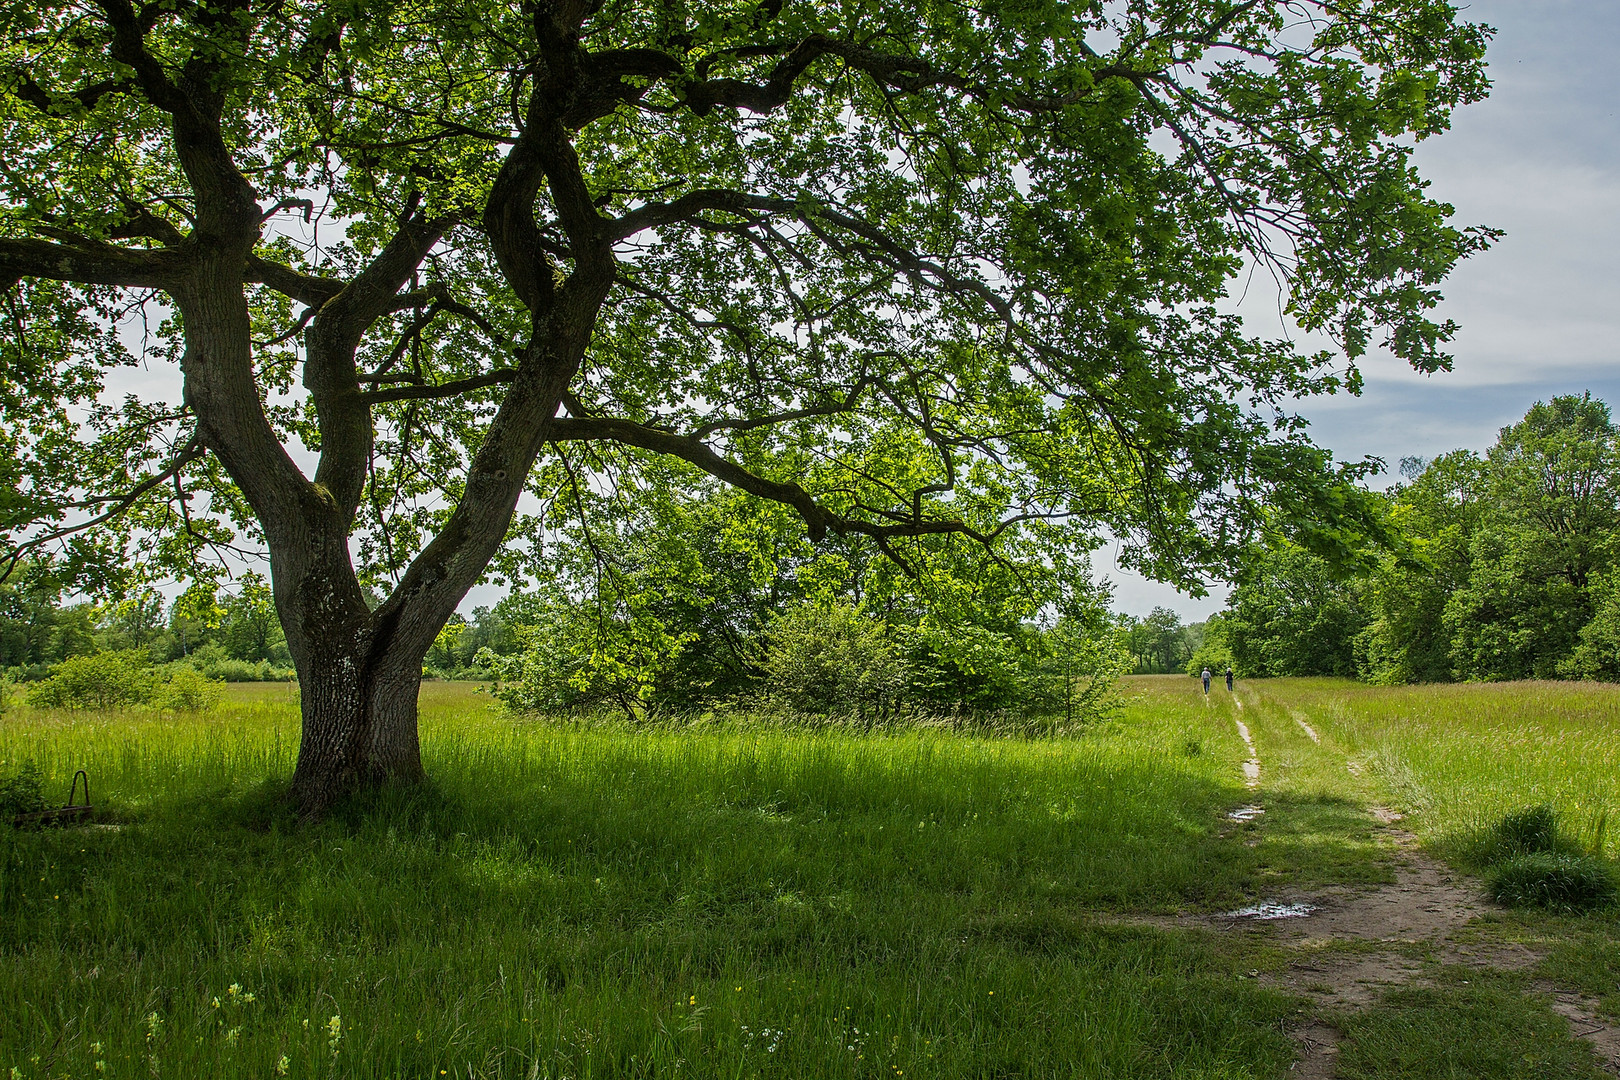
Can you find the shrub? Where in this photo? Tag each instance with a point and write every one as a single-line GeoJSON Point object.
{"type": "Point", "coordinates": [23, 793]}
{"type": "Point", "coordinates": [1215, 655]}
{"type": "Point", "coordinates": [188, 690]}
{"type": "Point", "coordinates": [561, 664]}
{"type": "Point", "coordinates": [830, 658]}
{"type": "Point", "coordinates": [110, 680]}
{"type": "Point", "coordinates": [1553, 879]}
{"type": "Point", "coordinates": [215, 663]}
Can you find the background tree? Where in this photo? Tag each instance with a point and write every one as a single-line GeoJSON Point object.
{"type": "Point", "coordinates": [248, 628]}
{"type": "Point", "coordinates": [1433, 517]}
{"type": "Point", "coordinates": [1158, 642]}
{"type": "Point", "coordinates": [923, 274]}
{"type": "Point", "coordinates": [1293, 614]}
{"type": "Point", "coordinates": [1499, 566]}
{"type": "Point", "coordinates": [1547, 532]}
{"type": "Point", "coordinates": [35, 630]}
{"type": "Point", "coordinates": [1211, 649]}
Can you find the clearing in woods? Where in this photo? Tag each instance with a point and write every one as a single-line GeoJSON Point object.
{"type": "Point", "coordinates": [1271, 883]}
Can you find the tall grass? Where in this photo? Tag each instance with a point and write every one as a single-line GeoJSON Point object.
{"type": "Point", "coordinates": [561, 902]}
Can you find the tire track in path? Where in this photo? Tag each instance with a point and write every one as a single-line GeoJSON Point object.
{"type": "Point", "coordinates": [1251, 767]}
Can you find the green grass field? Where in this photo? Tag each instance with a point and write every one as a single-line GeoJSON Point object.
{"type": "Point", "coordinates": [738, 900]}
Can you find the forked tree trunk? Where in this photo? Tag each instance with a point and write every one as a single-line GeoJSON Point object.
{"type": "Point", "coordinates": [359, 670]}
{"type": "Point", "coordinates": [359, 730]}
{"type": "Point", "coordinates": [359, 673]}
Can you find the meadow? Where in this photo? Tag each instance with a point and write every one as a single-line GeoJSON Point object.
{"type": "Point", "coordinates": [735, 899]}
{"type": "Point", "coordinates": [1460, 756]}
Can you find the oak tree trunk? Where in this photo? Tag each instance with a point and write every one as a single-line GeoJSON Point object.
{"type": "Point", "coordinates": [359, 729]}
{"type": "Point", "coordinates": [359, 675]}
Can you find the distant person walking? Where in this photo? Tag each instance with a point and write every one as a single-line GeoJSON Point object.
{"type": "Point", "coordinates": [1206, 682]}
{"type": "Point", "coordinates": [1228, 680]}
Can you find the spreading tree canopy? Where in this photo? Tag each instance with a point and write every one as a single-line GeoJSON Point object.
{"type": "Point", "coordinates": [926, 273]}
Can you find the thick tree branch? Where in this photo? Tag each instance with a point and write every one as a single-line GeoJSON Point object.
{"type": "Point", "coordinates": [817, 518]}
{"type": "Point", "coordinates": [53, 103]}
{"type": "Point", "coordinates": [907, 74]}
{"type": "Point", "coordinates": [508, 221]}
{"type": "Point", "coordinates": [330, 343]}
{"type": "Point", "coordinates": [688, 206]}
{"type": "Point", "coordinates": [88, 262]}
{"type": "Point", "coordinates": [308, 289]}
{"type": "Point", "coordinates": [440, 390]}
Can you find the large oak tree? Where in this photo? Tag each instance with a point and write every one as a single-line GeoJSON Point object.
{"type": "Point", "coordinates": [926, 272]}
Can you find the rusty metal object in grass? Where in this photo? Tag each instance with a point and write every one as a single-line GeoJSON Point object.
{"type": "Point", "coordinates": [62, 815]}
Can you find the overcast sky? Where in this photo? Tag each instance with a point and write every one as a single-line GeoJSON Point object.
{"type": "Point", "coordinates": [1540, 313]}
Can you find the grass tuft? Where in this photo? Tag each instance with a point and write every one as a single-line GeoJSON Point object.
{"type": "Point", "coordinates": [1556, 880]}
{"type": "Point", "coordinates": [1533, 829]}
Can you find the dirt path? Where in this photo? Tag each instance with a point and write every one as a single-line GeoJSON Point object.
{"type": "Point", "coordinates": [1353, 944]}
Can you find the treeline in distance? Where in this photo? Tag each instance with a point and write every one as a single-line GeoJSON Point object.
{"type": "Point", "coordinates": [1502, 565]}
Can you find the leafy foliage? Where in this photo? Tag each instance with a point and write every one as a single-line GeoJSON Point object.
{"type": "Point", "coordinates": [1158, 642]}
{"type": "Point", "coordinates": [1214, 649]}
{"type": "Point", "coordinates": [935, 282]}
{"type": "Point", "coordinates": [1504, 566]}
{"type": "Point", "coordinates": [1496, 566]}
{"type": "Point", "coordinates": [831, 658]}
{"type": "Point", "coordinates": [692, 595]}
{"type": "Point", "coordinates": [1293, 615]}
{"type": "Point", "coordinates": [187, 690]}
{"type": "Point", "coordinates": [99, 681]}
{"type": "Point", "coordinates": [35, 630]}
{"type": "Point", "coordinates": [121, 680]}
{"type": "Point", "coordinates": [873, 256]}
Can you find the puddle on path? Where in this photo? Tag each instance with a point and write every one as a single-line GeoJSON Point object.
{"type": "Point", "coordinates": [1267, 910]}
{"type": "Point", "coordinates": [1246, 813]}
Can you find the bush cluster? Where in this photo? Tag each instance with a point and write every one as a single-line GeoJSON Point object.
{"type": "Point", "coordinates": [122, 680]}
{"type": "Point", "coordinates": [213, 662]}
{"type": "Point", "coordinates": [233, 635]}
{"type": "Point", "coordinates": [1556, 880]}
{"type": "Point", "coordinates": [828, 660]}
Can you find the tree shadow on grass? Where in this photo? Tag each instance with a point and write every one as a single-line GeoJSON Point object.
{"type": "Point", "coordinates": [955, 902]}
{"type": "Point", "coordinates": [1305, 842]}
{"type": "Point", "coordinates": [770, 848]}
